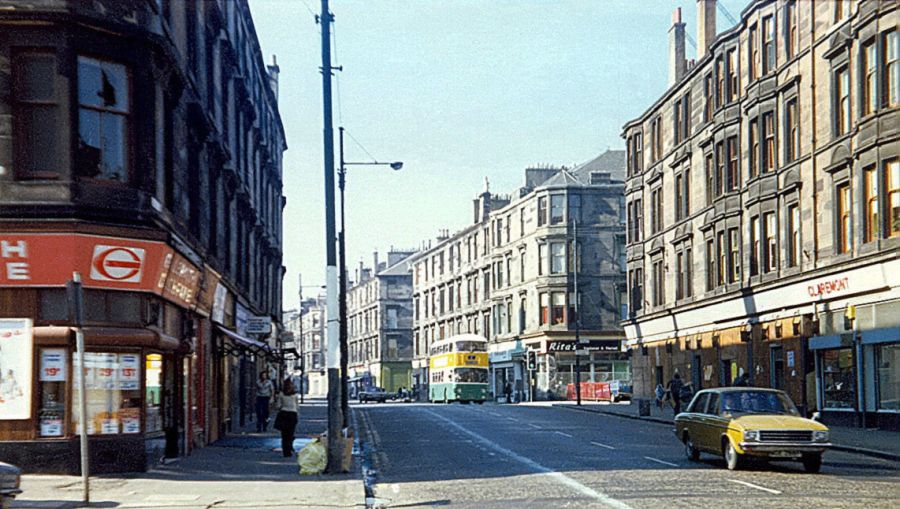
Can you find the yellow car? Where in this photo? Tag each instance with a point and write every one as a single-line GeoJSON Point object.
{"type": "Point", "coordinates": [743, 422]}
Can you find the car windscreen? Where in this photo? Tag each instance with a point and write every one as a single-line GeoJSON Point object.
{"type": "Point", "coordinates": [757, 402]}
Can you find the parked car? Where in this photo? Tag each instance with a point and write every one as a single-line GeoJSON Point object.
{"type": "Point", "coordinates": [10, 478]}
{"type": "Point", "coordinates": [376, 394]}
{"type": "Point", "coordinates": [750, 422]}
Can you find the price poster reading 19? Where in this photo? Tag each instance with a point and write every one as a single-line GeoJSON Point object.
{"type": "Point", "coordinates": [53, 365]}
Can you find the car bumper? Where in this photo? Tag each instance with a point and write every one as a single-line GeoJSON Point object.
{"type": "Point", "coordinates": [782, 448]}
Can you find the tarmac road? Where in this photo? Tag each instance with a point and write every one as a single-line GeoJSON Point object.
{"type": "Point", "coordinates": [519, 456]}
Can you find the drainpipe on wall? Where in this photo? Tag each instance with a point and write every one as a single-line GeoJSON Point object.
{"type": "Point", "coordinates": [804, 342]}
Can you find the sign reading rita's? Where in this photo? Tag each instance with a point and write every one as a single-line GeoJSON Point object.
{"type": "Point", "coordinates": [596, 345]}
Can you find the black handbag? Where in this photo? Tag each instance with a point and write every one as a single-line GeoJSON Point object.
{"type": "Point", "coordinates": [281, 421]}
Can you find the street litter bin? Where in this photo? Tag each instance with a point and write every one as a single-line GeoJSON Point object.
{"type": "Point", "coordinates": [644, 407]}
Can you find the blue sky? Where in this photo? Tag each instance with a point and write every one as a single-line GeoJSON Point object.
{"type": "Point", "coordinates": [459, 91]}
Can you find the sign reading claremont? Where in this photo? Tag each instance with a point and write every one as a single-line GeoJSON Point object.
{"type": "Point", "coordinates": [826, 288]}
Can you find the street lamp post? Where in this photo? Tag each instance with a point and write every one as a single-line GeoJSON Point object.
{"type": "Point", "coordinates": [342, 179]}
{"type": "Point", "coordinates": [332, 362]}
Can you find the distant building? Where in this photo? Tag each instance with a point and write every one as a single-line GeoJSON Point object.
{"type": "Point", "coordinates": [511, 277]}
{"type": "Point", "coordinates": [379, 324]}
{"type": "Point", "coordinates": [312, 346]}
{"type": "Point", "coordinates": [764, 210]}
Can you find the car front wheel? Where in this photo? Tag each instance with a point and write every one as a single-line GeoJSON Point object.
{"type": "Point", "coordinates": [812, 463]}
{"type": "Point", "coordinates": [690, 451]}
{"type": "Point", "coordinates": [732, 458]}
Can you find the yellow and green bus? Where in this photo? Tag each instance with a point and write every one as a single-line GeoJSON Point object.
{"type": "Point", "coordinates": [459, 369]}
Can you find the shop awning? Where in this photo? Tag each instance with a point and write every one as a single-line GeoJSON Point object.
{"type": "Point", "coordinates": [242, 345]}
{"type": "Point", "coordinates": [829, 342]}
{"type": "Point", "coordinates": [878, 336]}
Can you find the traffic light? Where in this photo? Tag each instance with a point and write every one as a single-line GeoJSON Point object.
{"type": "Point", "coordinates": [532, 360]}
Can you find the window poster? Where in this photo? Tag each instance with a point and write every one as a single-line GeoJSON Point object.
{"type": "Point", "coordinates": [51, 427]}
{"type": "Point", "coordinates": [129, 371]}
{"type": "Point", "coordinates": [15, 368]}
{"type": "Point", "coordinates": [53, 365]}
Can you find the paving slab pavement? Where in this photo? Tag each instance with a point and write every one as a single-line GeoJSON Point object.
{"type": "Point", "coordinates": [245, 470]}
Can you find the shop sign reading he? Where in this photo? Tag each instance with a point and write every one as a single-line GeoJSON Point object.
{"type": "Point", "coordinates": [16, 340]}
{"type": "Point", "coordinates": [29, 259]}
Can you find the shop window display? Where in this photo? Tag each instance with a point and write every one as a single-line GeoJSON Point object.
{"type": "Point", "coordinates": [153, 392]}
{"type": "Point", "coordinates": [838, 379]}
{"type": "Point", "coordinates": [113, 396]}
{"type": "Point", "coordinates": [52, 378]}
{"type": "Point", "coordinates": [889, 377]}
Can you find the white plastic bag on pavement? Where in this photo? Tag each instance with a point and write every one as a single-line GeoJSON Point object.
{"type": "Point", "coordinates": [312, 458]}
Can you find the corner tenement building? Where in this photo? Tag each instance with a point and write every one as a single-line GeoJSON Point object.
{"type": "Point", "coordinates": [141, 146]}
{"type": "Point", "coordinates": [763, 203]}
{"type": "Point", "coordinates": [511, 277]}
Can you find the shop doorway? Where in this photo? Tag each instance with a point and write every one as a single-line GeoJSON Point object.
{"type": "Point", "coordinates": [776, 360]}
{"type": "Point", "coordinates": [728, 367]}
{"type": "Point", "coordinates": [697, 373]}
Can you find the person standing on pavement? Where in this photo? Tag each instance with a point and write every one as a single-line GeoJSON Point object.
{"type": "Point", "coordinates": [286, 420]}
{"type": "Point", "coordinates": [674, 389]}
{"type": "Point", "coordinates": [264, 392]}
{"type": "Point", "coordinates": [507, 391]}
{"type": "Point", "coordinates": [743, 380]}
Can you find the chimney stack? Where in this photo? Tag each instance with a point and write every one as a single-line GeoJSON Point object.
{"type": "Point", "coordinates": [706, 26]}
{"type": "Point", "coordinates": [375, 267]}
{"type": "Point", "coordinates": [677, 62]}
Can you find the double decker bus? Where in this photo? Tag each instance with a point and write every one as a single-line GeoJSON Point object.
{"type": "Point", "coordinates": [459, 369]}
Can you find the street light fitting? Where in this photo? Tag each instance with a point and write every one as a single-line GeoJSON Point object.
{"type": "Point", "coordinates": [396, 165]}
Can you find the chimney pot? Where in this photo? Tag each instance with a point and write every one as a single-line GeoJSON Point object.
{"type": "Point", "coordinates": [677, 62]}
{"type": "Point", "coordinates": [706, 26]}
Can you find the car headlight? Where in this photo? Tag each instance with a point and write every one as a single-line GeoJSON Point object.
{"type": "Point", "coordinates": [751, 436]}
{"type": "Point", "coordinates": [820, 436]}
{"type": "Point", "coordinates": [458, 390]}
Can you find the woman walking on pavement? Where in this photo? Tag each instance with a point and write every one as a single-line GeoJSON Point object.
{"type": "Point", "coordinates": [264, 392]}
{"type": "Point", "coordinates": [286, 420]}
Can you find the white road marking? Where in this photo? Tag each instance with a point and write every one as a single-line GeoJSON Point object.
{"type": "Point", "coordinates": [598, 444]}
{"type": "Point", "coordinates": [557, 476]}
{"type": "Point", "coordinates": [754, 486]}
{"type": "Point", "coordinates": [495, 414]}
{"type": "Point", "coordinates": [535, 426]}
{"type": "Point", "coordinates": [512, 419]}
{"type": "Point", "coordinates": [660, 461]}
{"type": "Point", "coordinates": [563, 434]}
